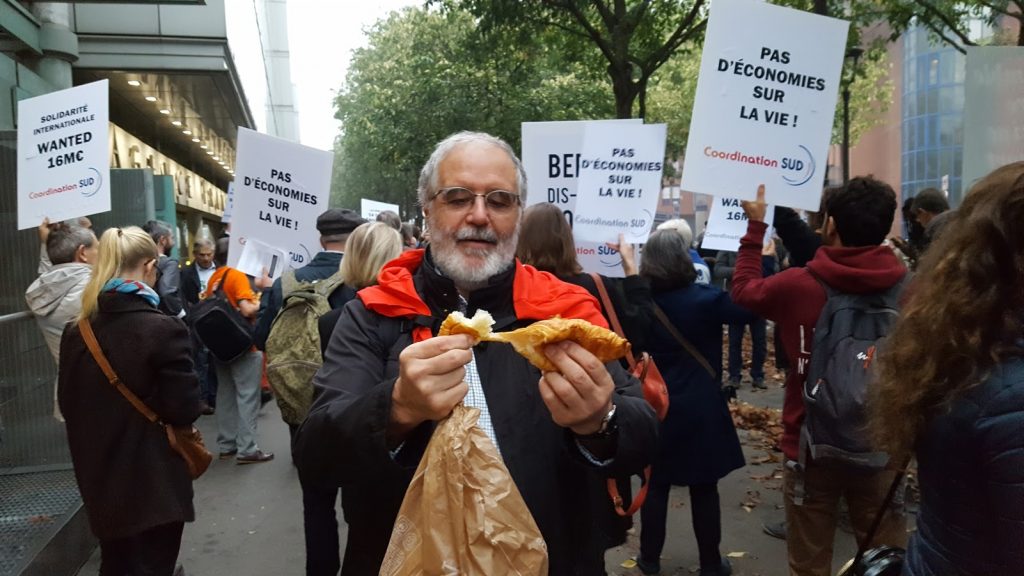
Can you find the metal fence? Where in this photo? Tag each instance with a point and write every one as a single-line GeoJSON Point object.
{"type": "Point", "coordinates": [38, 493]}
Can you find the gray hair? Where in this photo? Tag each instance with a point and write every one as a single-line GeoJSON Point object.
{"type": "Point", "coordinates": [428, 176]}
{"type": "Point", "coordinates": [201, 244]}
{"type": "Point", "coordinates": [64, 240]}
{"type": "Point", "coordinates": [157, 229]}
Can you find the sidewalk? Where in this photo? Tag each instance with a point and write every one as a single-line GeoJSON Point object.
{"type": "Point", "coordinates": [249, 518]}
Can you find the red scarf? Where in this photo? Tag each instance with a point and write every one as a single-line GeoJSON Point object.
{"type": "Point", "coordinates": [536, 295]}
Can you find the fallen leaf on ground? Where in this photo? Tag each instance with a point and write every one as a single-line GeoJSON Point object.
{"type": "Point", "coordinates": [629, 563]}
{"type": "Point", "coordinates": [736, 554]}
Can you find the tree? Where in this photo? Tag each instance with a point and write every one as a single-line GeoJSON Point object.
{"type": "Point", "coordinates": [634, 37]}
{"type": "Point", "coordinates": [426, 74]}
{"type": "Point", "coordinates": [949, 21]}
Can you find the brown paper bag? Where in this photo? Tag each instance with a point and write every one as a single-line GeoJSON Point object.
{"type": "Point", "coordinates": [462, 513]}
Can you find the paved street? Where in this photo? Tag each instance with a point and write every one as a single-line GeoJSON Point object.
{"type": "Point", "coordinates": [249, 518]}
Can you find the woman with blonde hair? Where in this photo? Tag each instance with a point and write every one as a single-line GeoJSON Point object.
{"type": "Point", "coordinates": [136, 490]}
{"type": "Point", "coordinates": [369, 248]}
{"type": "Point", "coordinates": [951, 387]}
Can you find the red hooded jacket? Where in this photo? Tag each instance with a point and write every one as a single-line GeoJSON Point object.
{"type": "Point", "coordinates": [793, 299]}
{"type": "Point", "coordinates": [536, 295]}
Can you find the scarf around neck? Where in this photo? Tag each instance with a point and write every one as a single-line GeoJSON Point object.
{"type": "Point", "coordinates": [123, 286]}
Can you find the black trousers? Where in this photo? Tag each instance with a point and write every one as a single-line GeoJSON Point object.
{"type": "Point", "coordinates": [150, 553]}
{"type": "Point", "coordinates": [706, 515]}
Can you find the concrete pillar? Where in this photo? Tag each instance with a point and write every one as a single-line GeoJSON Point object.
{"type": "Point", "coordinates": [58, 42]}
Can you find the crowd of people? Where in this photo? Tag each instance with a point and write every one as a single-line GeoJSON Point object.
{"type": "Point", "coordinates": [949, 386]}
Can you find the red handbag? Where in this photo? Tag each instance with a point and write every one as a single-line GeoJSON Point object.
{"type": "Point", "coordinates": [655, 392]}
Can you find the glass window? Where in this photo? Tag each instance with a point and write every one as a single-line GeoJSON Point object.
{"type": "Point", "coordinates": [947, 129]}
{"type": "Point", "coordinates": [959, 68]}
{"type": "Point", "coordinates": [910, 103]}
{"type": "Point", "coordinates": [946, 99]}
{"type": "Point", "coordinates": [919, 165]}
{"type": "Point", "coordinates": [932, 163]}
{"type": "Point", "coordinates": [947, 66]}
{"type": "Point", "coordinates": [931, 101]}
{"type": "Point", "coordinates": [933, 131]}
{"type": "Point", "coordinates": [958, 98]}
{"type": "Point", "coordinates": [922, 102]}
{"type": "Point", "coordinates": [958, 162]}
{"type": "Point", "coordinates": [946, 162]}
{"type": "Point", "coordinates": [933, 70]}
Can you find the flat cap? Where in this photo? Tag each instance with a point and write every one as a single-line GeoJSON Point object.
{"type": "Point", "coordinates": [338, 221]}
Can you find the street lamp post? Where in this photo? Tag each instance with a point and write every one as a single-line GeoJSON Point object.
{"type": "Point", "coordinates": [853, 53]}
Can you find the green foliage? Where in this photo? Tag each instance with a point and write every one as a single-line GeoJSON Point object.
{"type": "Point", "coordinates": [634, 37]}
{"type": "Point", "coordinates": [948, 21]}
{"type": "Point", "coordinates": [670, 96]}
{"type": "Point", "coordinates": [870, 94]}
{"type": "Point", "coordinates": [427, 74]}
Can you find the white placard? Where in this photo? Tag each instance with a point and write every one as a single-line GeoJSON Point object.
{"type": "Point", "coordinates": [229, 204]}
{"type": "Point", "coordinates": [257, 257]}
{"type": "Point", "coordinates": [63, 155]}
{"type": "Point", "coordinates": [727, 223]}
{"type": "Point", "coordinates": [620, 182]}
{"type": "Point", "coordinates": [550, 156]}
{"type": "Point", "coordinates": [765, 101]}
{"type": "Point", "coordinates": [280, 189]}
{"type": "Point", "coordinates": [370, 208]}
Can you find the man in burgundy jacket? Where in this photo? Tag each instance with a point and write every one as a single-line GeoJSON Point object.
{"type": "Point", "coordinates": [857, 219]}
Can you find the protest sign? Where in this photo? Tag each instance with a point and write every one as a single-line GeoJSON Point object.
{"type": "Point", "coordinates": [765, 101]}
{"type": "Point", "coordinates": [550, 155]}
{"type": "Point", "coordinates": [229, 204]}
{"type": "Point", "coordinates": [63, 155]}
{"type": "Point", "coordinates": [727, 223]}
{"type": "Point", "coordinates": [370, 208]}
{"type": "Point", "coordinates": [620, 182]}
{"type": "Point", "coordinates": [280, 189]}
{"type": "Point", "coordinates": [258, 257]}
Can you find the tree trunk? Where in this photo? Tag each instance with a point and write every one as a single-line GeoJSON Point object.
{"type": "Point", "coordinates": [642, 94]}
{"type": "Point", "coordinates": [625, 90]}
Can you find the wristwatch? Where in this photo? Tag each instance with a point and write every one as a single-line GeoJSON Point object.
{"type": "Point", "coordinates": [608, 426]}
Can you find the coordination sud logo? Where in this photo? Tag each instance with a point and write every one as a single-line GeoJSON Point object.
{"type": "Point", "coordinates": [797, 168]}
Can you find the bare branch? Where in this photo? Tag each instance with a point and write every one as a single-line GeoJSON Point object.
{"type": "Point", "coordinates": [591, 32]}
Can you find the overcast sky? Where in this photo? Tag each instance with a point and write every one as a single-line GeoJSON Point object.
{"type": "Point", "coordinates": [322, 35]}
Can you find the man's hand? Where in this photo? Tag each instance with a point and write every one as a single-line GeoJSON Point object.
{"type": "Point", "coordinates": [769, 248]}
{"type": "Point", "coordinates": [628, 254]}
{"type": "Point", "coordinates": [431, 381]}
{"type": "Point", "coordinates": [579, 395]}
{"type": "Point", "coordinates": [263, 281]}
{"type": "Point", "coordinates": [756, 209]}
{"type": "Point", "coordinates": [44, 230]}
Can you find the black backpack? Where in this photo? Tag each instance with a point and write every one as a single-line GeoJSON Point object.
{"type": "Point", "coordinates": [847, 338]}
{"type": "Point", "coordinates": [220, 327]}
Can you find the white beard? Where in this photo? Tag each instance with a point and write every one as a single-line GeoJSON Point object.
{"type": "Point", "coordinates": [464, 266]}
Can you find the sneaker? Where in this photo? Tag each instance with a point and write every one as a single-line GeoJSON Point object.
{"type": "Point", "coordinates": [724, 569]}
{"type": "Point", "coordinates": [206, 409]}
{"type": "Point", "coordinates": [735, 381]}
{"type": "Point", "coordinates": [255, 458]}
{"type": "Point", "coordinates": [759, 384]}
{"type": "Point", "coordinates": [775, 529]}
{"type": "Point", "coordinates": [228, 455]}
{"type": "Point", "coordinates": [648, 567]}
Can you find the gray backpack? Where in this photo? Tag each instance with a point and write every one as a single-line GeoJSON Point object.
{"type": "Point", "coordinates": [847, 338]}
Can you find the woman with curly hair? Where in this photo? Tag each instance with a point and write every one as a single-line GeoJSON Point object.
{"type": "Point", "coordinates": [951, 388]}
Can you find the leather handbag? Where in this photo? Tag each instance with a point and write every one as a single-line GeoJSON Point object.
{"type": "Point", "coordinates": [655, 392]}
{"type": "Point", "coordinates": [881, 560]}
{"type": "Point", "coordinates": [187, 441]}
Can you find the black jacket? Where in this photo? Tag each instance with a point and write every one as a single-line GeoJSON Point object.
{"type": "Point", "coordinates": [342, 440]}
{"type": "Point", "coordinates": [323, 265]}
{"type": "Point", "coordinates": [129, 477]}
{"type": "Point", "coordinates": [168, 286]}
{"type": "Point", "coordinates": [971, 472]}
{"type": "Point", "coordinates": [800, 240]}
{"type": "Point", "coordinates": [191, 288]}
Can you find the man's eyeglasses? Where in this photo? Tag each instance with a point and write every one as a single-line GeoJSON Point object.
{"type": "Point", "coordinates": [458, 198]}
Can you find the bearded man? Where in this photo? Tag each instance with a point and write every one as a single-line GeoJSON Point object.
{"type": "Point", "coordinates": [387, 380]}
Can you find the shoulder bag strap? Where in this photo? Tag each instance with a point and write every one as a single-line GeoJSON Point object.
{"type": "Point", "coordinates": [94, 347]}
{"type": "Point", "coordinates": [613, 318]}
{"type": "Point", "coordinates": [881, 511]}
{"type": "Point", "coordinates": [660, 314]}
